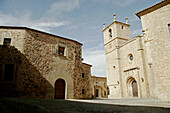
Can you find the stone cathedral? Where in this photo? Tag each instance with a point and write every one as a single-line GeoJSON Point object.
{"type": "Point", "coordinates": [139, 66]}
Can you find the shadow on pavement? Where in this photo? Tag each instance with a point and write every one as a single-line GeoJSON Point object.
{"type": "Point", "coordinates": [25, 105]}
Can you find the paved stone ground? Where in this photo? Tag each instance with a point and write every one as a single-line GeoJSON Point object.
{"type": "Point", "coordinates": [18, 105]}
{"type": "Point", "coordinates": [129, 101]}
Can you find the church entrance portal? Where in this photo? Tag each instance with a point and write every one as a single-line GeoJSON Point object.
{"type": "Point", "coordinates": [60, 89]}
{"type": "Point", "coordinates": [132, 87]}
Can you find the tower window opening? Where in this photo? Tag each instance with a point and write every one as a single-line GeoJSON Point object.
{"type": "Point", "coordinates": [122, 27]}
{"type": "Point", "coordinates": [110, 32]}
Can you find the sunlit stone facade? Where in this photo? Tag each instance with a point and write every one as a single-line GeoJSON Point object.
{"type": "Point", "coordinates": [36, 64]}
{"type": "Point", "coordinates": [139, 66]}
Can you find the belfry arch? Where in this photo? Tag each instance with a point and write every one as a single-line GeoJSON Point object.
{"type": "Point", "coordinates": [132, 87]}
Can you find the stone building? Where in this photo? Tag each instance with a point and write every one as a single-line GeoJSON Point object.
{"type": "Point", "coordinates": [99, 87]}
{"type": "Point", "coordinates": [36, 64]}
{"type": "Point", "coordinates": [139, 66]}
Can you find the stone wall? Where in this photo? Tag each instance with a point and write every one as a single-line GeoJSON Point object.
{"type": "Point", "coordinates": [101, 86]}
{"type": "Point", "coordinates": [27, 81]}
{"type": "Point", "coordinates": [86, 81]}
{"type": "Point", "coordinates": [41, 65]}
{"type": "Point", "coordinates": [157, 38]}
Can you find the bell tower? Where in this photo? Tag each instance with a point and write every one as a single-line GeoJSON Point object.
{"type": "Point", "coordinates": [116, 31]}
{"type": "Point", "coordinates": [115, 35]}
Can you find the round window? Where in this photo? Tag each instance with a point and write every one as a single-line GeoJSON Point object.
{"type": "Point", "coordinates": [131, 57]}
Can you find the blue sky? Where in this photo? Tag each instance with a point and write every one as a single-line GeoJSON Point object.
{"type": "Point", "coordinates": [80, 20]}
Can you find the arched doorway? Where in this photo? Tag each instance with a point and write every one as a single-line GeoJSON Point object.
{"type": "Point", "coordinates": [60, 89]}
{"type": "Point", "coordinates": [132, 87]}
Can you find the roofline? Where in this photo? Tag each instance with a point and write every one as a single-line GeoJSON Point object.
{"type": "Point", "coordinates": [27, 28]}
{"type": "Point", "coordinates": [97, 76]}
{"type": "Point", "coordinates": [115, 22]}
{"type": "Point", "coordinates": [86, 64]}
{"type": "Point", "coordinates": [152, 8]}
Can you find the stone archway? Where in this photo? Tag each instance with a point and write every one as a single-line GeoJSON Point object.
{"type": "Point", "coordinates": [60, 89]}
{"type": "Point", "coordinates": [132, 87]}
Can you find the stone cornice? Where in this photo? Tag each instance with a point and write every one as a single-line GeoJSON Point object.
{"type": "Point", "coordinates": [114, 39]}
{"type": "Point", "coordinates": [152, 8]}
{"type": "Point", "coordinates": [131, 40]}
{"type": "Point", "coordinates": [115, 22]}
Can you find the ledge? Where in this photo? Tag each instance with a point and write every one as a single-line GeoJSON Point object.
{"type": "Point", "coordinates": [131, 69]}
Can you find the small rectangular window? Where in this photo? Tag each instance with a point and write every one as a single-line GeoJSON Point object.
{"type": "Point", "coordinates": [82, 91]}
{"type": "Point", "coordinates": [82, 75]}
{"type": "Point", "coordinates": [104, 84]}
{"type": "Point", "coordinates": [104, 93]}
{"type": "Point", "coordinates": [61, 51]}
{"type": "Point", "coordinates": [9, 72]}
{"type": "Point", "coordinates": [96, 83]}
{"type": "Point", "coordinates": [7, 42]}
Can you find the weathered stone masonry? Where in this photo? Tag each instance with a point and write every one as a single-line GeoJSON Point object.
{"type": "Point", "coordinates": [38, 64]}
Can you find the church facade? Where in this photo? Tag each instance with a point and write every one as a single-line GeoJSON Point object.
{"type": "Point", "coordinates": [139, 66]}
{"type": "Point", "coordinates": [36, 64]}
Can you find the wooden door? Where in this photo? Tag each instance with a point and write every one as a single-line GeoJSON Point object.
{"type": "Point", "coordinates": [97, 93]}
{"type": "Point", "coordinates": [60, 89]}
{"type": "Point", "coordinates": [135, 88]}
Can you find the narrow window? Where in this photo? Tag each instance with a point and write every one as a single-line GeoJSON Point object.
{"type": "Point", "coordinates": [104, 84]}
{"type": "Point", "coordinates": [104, 93]}
{"type": "Point", "coordinates": [83, 91]}
{"type": "Point", "coordinates": [108, 92]}
{"type": "Point", "coordinates": [122, 27]}
{"type": "Point", "coordinates": [61, 51]}
{"type": "Point", "coordinates": [82, 75]}
{"type": "Point", "coordinates": [7, 42]}
{"type": "Point", "coordinates": [96, 83]}
{"type": "Point", "coordinates": [9, 72]}
{"type": "Point", "coordinates": [110, 32]}
{"type": "Point", "coordinates": [169, 28]}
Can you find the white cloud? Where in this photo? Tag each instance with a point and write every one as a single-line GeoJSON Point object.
{"type": "Point", "coordinates": [96, 57]}
{"type": "Point", "coordinates": [63, 6]}
{"type": "Point", "coordinates": [24, 20]}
